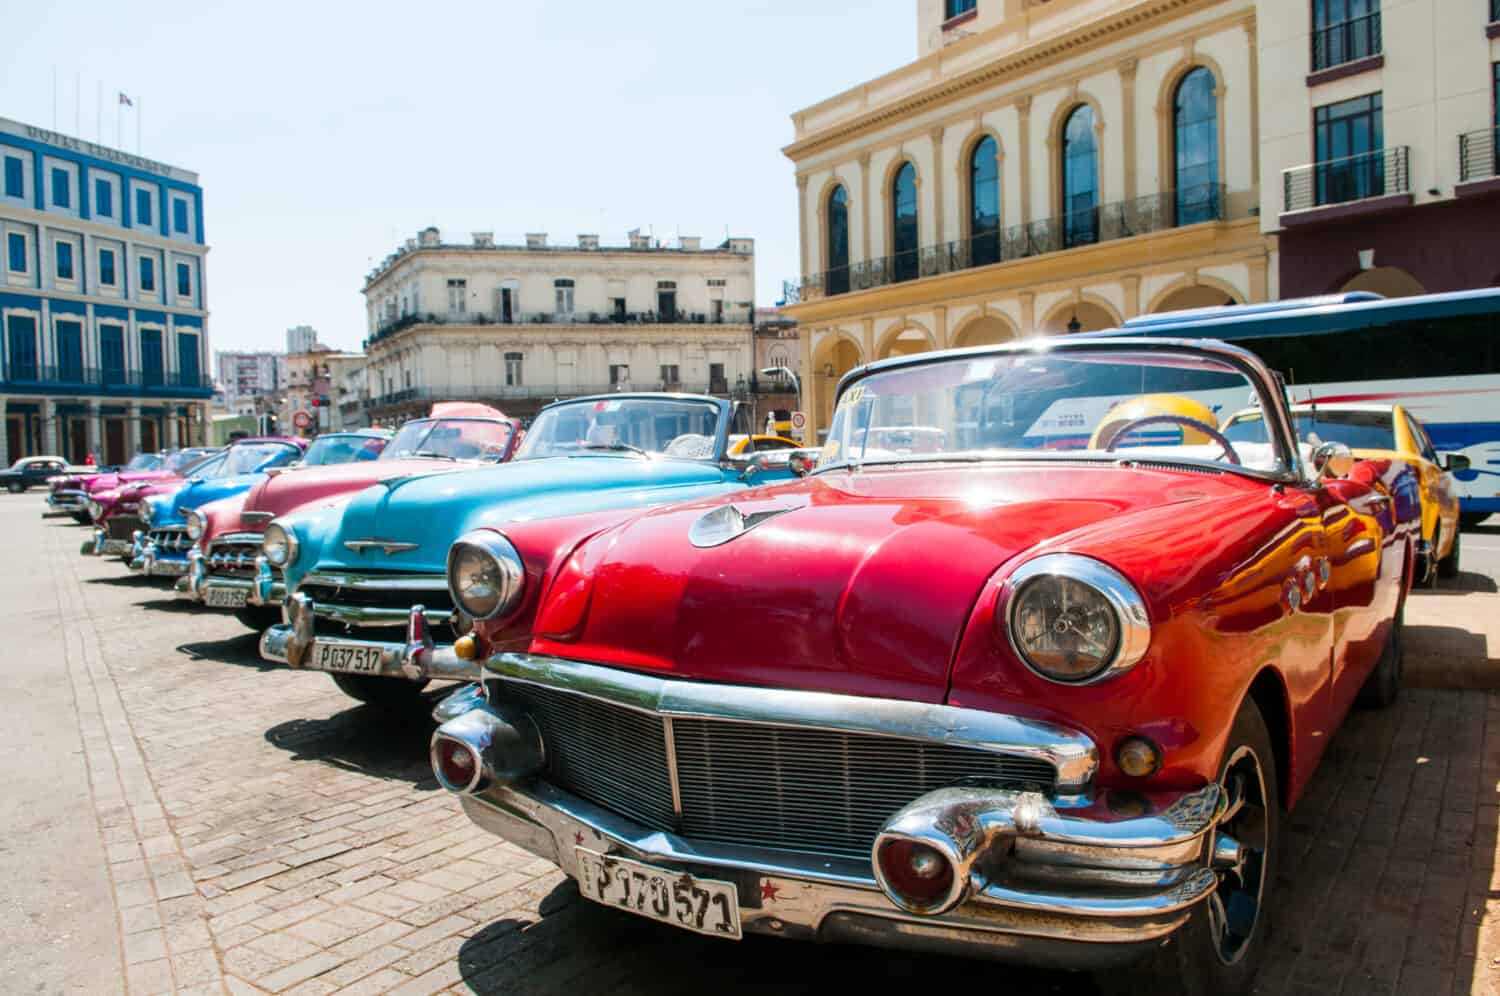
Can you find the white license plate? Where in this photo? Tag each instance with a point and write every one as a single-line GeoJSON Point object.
{"type": "Point", "coordinates": [226, 598]}
{"type": "Point", "coordinates": [331, 656]}
{"type": "Point", "coordinates": [114, 547]}
{"type": "Point", "coordinates": [697, 904]}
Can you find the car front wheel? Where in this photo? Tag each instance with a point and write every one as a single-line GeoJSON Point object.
{"type": "Point", "coordinates": [1219, 949]}
{"type": "Point", "coordinates": [383, 693]}
{"type": "Point", "coordinates": [1447, 568]}
{"type": "Point", "coordinates": [15, 487]}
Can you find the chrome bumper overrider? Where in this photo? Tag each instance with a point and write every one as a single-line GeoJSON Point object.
{"type": "Point", "coordinates": [194, 586]}
{"type": "Point", "coordinates": [65, 503]}
{"type": "Point", "coordinates": [1083, 880]}
{"type": "Point", "coordinates": [100, 545]}
{"type": "Point", "coordinates": [294, 643]}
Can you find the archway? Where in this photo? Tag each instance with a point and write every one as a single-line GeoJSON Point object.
{"type": "Point", "coordinates": [904, 343]}
{"type": "Point", "coordinates": [984, 331]}
{"type": "Point", "coordinates": [1194, 296]}
{"type": "Point", "coordinates": [1389, 281]}
{"type": "Point", "coordinates": [835, 357]}
{"type": "Point", "coordinates": [1086, 315]}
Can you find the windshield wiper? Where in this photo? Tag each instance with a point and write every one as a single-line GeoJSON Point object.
{"type": "Point", "coordinates": [618, 447]}
{"type": "Point", "coordinates": [434, 455]}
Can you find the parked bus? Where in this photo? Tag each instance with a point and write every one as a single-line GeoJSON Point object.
{"type": "Point", "coordinates": [1437, 354]}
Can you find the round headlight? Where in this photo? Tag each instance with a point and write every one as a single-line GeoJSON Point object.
{"type": "Point", "coordinates": [279, 544]}
{"type": "Point", "coordinates": [485, 574]}
{"type": "Point", "coordinates": [96, 511]}
{"type": "Point", "coordinates": [194, 525]}
{"type": "Point", "coordinates": [1075, 620]}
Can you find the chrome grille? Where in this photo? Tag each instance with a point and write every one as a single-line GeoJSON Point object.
{"type": "Point", "coordinates": [607, 754]}
{"type": "Point", "coordinates": [234, 558]}
{"type": "Point", "coordinates": [370, 590]}
{"type": "Point", "coordinates": [800, 789]}
{"type": "Point", "coordinates": [172, 541]}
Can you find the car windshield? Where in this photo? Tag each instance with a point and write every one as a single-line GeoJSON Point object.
{"type": "Point", "coordinates": [1162, 404]}
{"type": "Point", "coordinates": [342, 448]}
{"type": "Point", "coordinates": [182, 460]}
{"type": "Point", "coordinates": [1358, 430]}
{"type": "Point", "coordinates": [671, 427]}
{"type": "Point", "coordinates": [450, 439]}
{"type": "Point", "coordinates": [246, 458]}
{"type": "Point", "coordinates": [145, 461]}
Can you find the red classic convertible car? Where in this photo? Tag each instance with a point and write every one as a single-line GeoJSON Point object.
{"type": "Point", "coordinates": [1036, 687]}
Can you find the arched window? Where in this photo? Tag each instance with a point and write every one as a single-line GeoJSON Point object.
{"type": "Point", "coordinates": [836, 281]}
{"type": "Point", "coordinates": [984, 202]}
{"type": "Point", "coordinates": [1195, 114]}
{"type": "Point", "coordinates": [1080, 169]}
{"type": "Point", "coordinates": [904, 222]}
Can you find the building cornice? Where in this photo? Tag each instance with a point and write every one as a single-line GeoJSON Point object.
{"type": "Point", "coordinates": [551, 258]}
{"type": "Point", "coordinates": [1134, 18]}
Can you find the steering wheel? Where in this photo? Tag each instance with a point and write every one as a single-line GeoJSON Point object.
{"type": "Point", "coordinates": [1183, 420]}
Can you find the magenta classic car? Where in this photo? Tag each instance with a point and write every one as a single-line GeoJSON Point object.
{"type": "Point", "coordinates": [1027, 668]}
{"type": "Point", "coordinates": [69, 493]}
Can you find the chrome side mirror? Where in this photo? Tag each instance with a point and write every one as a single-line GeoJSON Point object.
{"type": "Point", "coordinates": [1332, 460]}
{"type": "Point", "coordinates": [802, 462]}
{"type": "Point", "coordinates": [755, 465]}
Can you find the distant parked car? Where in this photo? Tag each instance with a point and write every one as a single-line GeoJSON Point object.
{"type": "Point", "coordinates": [31, 472]}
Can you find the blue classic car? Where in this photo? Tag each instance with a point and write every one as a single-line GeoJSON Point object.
{"type": "Point", "coordinates": [161, 550]}
{"type": "Point", "coordinates": [380, 561]}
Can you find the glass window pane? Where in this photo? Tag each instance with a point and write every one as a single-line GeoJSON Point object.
{"type": "Point", "coordinates": [904, 222]}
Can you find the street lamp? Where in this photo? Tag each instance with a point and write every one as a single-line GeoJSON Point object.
{"type": "Point", "coordinates": [1074, 325]}
{"type": "Point", "coordinates": [786, 372]}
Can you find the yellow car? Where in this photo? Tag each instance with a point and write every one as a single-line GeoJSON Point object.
{"type": "Point", "coordinates": [746, 445]}
{"type": "Point", "coordinates": [1384, 432]}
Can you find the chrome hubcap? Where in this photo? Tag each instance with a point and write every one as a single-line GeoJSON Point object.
{"type": "Point", "coordinates": [1234, 907]}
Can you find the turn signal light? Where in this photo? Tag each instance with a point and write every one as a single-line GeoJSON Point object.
{"type": "Point", "coordinates": [916, 876]}
{"type": "Point", "coordinates": [1138, 757]}
{"type": "Point", "coordinates": [466, 648]}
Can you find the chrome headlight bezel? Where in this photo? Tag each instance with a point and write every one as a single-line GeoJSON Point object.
{"type": "Point", "coordinates": [508, 569]}
{"type": "Point", "coordinates": [195, 525]}
{"type": "Point", "coordinates": [1132, 620]}
{"type": "Point", "coordinates": [279, 544]}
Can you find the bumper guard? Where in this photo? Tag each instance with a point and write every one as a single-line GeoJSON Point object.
{"type": "Point", "coordinates": [295, 643]}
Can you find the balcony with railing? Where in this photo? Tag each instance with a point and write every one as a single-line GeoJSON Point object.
{"type": "Point", "coordinates": [1336, 188]}
{"type": "Point", "coordinates": [548, 392]}
{"type": "Point", "coordinates": [1479, 160]}
{"type": "Point", "coordinates": [1352, 46]}
{"type": "Point", "coordinates": [727, 316]}
{"type": "Point", "coordinates": [1120, 220]}
{"type": "Point", "coordinates": [28, 377]}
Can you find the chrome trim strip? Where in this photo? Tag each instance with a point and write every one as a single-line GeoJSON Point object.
{"type": "Point", "coordinates": [671, 746]}
{"type": "Point", "coordinates": [384, 546]}
{"type": "Point", "coordinates": [225, 539]}
{"type": "Point", "coordinates": [379, 582]}
{"type": "Point", "coordinates": [1072, 754]}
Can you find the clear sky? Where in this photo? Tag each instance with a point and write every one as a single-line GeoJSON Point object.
{"type": "Point", "coordinates": [325, 134]}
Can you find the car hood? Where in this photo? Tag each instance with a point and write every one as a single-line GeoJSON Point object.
{"type": "Point", "coordinates": [852, 582]}
{"type": "Point", "coordinates": [190, 496]}
{"type": "Point", "coordinates": [433, 510]}
{"type": "Point", "coordinates": [283, 492]}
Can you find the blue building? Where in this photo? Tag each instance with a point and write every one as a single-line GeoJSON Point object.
{"type": "Point", "coordinates": [102, 308]}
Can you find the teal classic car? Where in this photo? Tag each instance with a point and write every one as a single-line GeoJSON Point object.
{"type": "Point", "coordinates": [368, 598]}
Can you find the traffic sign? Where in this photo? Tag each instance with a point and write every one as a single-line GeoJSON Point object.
{"type": "Point", "coordinates": [799, 421]}
{"type": "Point", "coordinates": [302, 419]}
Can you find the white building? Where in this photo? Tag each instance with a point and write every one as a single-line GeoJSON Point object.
{"type": "Point", "coordinates": [249, 378]}
{"type": "Point", "coordinates": [520, 325]}
{"type": "Point", "coordinates": [301, 339]}
{"type": "Point", "coordinates": [102, 300]}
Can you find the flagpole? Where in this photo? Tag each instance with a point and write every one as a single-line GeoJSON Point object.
{"type": "Point", "coordinates": [99, 111]}
{"type": "Point", "coordinates": [138, 105]}
{"type": "Point", "coordinates": [119, 127]}
{"type": "Point", "coordinates": [78, 104]}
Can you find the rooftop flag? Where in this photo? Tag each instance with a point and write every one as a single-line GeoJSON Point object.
{"type": "Point", "coordinates": [126, 100]}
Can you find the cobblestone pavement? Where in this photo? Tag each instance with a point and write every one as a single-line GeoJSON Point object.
{"type": "Point", "coordinates": [264, 834]}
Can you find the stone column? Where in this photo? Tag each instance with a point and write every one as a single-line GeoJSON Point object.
{"type": "Point", "coordinates": [93, 433]}
{"type": "Point", "coordinates": [4, 436]}
{"type": "Point", "coordinates": [1023, 111]}
{"type": "Point", "coordinates": [171, 427]}
{"type": "Point", "coordinates": [808, 263]}
{"type": "Point", "coordinates": [49, 426]}
{"type": "Point", "coordinates": [936, 135]}
{"type": "Point", "coordinates": [133, 429]}
{"type": "Point", "coordinates": [1127, 69]}
{"type": "Point", "coordinates": [941, 328]}
{"type": "Point", "coordinates": [1132, 288]}
{"type": "Point", "coordinates": [866, 197]}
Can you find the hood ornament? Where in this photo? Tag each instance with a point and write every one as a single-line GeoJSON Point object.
{"type": "Point", "coordinates": [386, 547]}
{"type": "Point", "coordinates": [256, 518]}
{"type": "Point", "coordinates": [720, 525]}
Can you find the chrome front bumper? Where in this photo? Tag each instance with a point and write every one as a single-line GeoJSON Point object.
{"type": "Point", "coordinates": [1081, 881]}
{"type": "Point", "coordinates": [196, 584]}
{"type": "Point", "coordinates": [99, 544]}
{"type": "Point", "coordinates": [144, 561]}
{"type": "Point", "coordinates": [295, 642]}
{"type": "Point", "coordinates": [65, 503]}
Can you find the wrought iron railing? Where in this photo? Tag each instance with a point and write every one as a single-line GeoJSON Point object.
{"type": "Point", "coordinates": [24, 373]}
{"type": "Point", "coordinates": [1352, 178]}
{"type": "Point", "coordinates": [1120, 220]}
{"type": "Point", "coordinates": [729, 316]}
{"type": "Point", "coordinates": [1478, 151]}
{"type": "Point", "coordinates": [1346, 41]}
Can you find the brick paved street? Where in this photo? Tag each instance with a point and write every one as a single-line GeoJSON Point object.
{"type": "Point", "coordinates": [258, 832]}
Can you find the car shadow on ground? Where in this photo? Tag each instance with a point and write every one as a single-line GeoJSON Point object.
{"type": "Point", "coordinates": [242, 650]}
{"type": "Point", "coordinates": [390, 744]}
{"type": "Point", "coordinates": [173, 604]}
{"type": "Point", "coordinates": [1467, 583]}
{"type": "Point", "coordinates": [126, 580]}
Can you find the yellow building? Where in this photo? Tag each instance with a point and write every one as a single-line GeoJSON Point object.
{"type": "Point", "coordinates": [1044, 165]}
